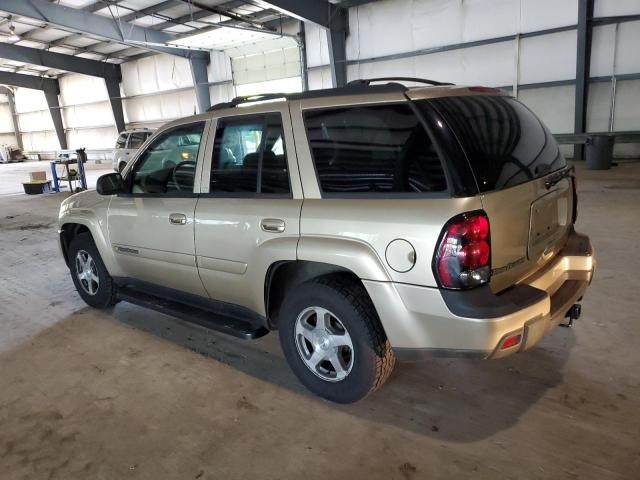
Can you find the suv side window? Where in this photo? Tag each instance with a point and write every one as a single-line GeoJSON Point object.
{"type": "Point", "coordinates": [168, 165]}
{"type": "Point", "coordinates": [122, 140]}
{"type": "Point", "coordinates": [136, 139]}
{"type": "Point", "coordinates": [373, 149]}
{"type": "Point", "coordinates": [249, 156]}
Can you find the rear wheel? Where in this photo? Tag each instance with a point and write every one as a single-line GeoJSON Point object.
{"type": "Point", "coordinates": [90, 276]}
{"type": "Point", "coordinates": [333, 341]}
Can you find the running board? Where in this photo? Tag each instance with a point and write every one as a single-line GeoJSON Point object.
{"type": "Point", "coordinates": [191, 314]}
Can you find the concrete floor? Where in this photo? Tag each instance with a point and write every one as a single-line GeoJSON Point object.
{"type": "Point", "coordinates": [130, 393]}
{"type": "Point", "coordinates": [13, 174]}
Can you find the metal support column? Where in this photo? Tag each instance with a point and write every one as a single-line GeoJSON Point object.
{"type": "Point", "coordinates": [51, 94]}
{"type": "Point", "coordinates": [337, 41]}
{"type": "Point", "coordinates": [113, 90]}
{"type": "Point", "coordinates": [302, 47]}
{"type": "Point", "coordinates": [201, 81]}
{"type": "Point", "coordinates": [583, 61]}
{"type": "Point", "coordinates": [14, 114]}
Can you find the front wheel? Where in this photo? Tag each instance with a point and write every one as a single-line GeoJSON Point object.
{"type": "Point", "coordinates": [333, 341]}
{"type": "Point", "coordinates": [90, 276]}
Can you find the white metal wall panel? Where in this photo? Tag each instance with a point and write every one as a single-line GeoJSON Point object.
{"type": "Point", "coordinates": [155, 74]}
{"type": "Point", "coordinates": [92, 138]}
{"type": "Point", "coordinates": [628, 56]}
{"type": "Point", "coordinates": [490, 65]}
{"type": "Point", "coordinates": [425, 24]}
{"type": "Point", "coordinates": [627, 115]}
{"type": "Point", "coordinates": [6, 124]}
{"type": "Point", "coordinates": [35, 121]}
{"type": "Point", "coordinates": [602, 46]}
{"type": "Point", "coordinates": [547, 58]}
{"type": "Point", "coordinates": [40, 141]}
{"type": "Point", "coordinates": [609, 8]}
{"type": "Point", "coordinates": [219, 68]}
{"type": "Point", "coordinates": [319, 78]}
{"type": "Point", "coordinates": [221, 93]}
{"type": "Point", "coordinates": [555, 106]}
{"type": "Point", "coordinates": [156, 108]}
{"type": "Point", "coordinates": [598, 107]}
{"type": "Point", "coordinates": [91, 115]}
{"type": "Point", "coordinates": [544, 14]}
{"type": "Point", "coordinates": [28, 100]}
{"type": "Point", "coordinates": [76, 88]}
{"type": "Point", "coordinates": [7, 139]}
{"type": "Point", "coordinates": [316, 44]}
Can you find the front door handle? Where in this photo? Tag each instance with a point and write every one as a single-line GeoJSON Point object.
{"type": "Point", "coordinates": [272, 225]}
{"type": "Point", "coordinates": [177, 219]}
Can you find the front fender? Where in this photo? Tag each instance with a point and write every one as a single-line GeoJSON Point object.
{"type": "Point", "coordinates": [90, 210]}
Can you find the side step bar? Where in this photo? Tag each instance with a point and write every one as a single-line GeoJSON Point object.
{"type": "Point", "coordinates": [188, 313]}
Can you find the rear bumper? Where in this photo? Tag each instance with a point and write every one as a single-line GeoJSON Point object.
{"type": "Point", "coordinates": [423, 322]}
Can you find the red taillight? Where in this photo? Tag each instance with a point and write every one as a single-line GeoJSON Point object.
{"type": "Point", "coordinates": [463, 255]}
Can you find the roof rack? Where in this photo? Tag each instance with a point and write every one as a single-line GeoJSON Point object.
{"type": "Point", "coordinates": [368, 81]}
{"type": "Point", "coordinates": [355, 87]}
{"type": "Point", "coordinates": [247, 99]}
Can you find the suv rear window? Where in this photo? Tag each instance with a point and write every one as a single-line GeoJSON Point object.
{"type": "Point", "coordinates": [373, 149]}
{"type": "Point", "coordinates": [505, 143]}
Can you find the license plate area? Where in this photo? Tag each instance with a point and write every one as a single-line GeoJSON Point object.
{"type": "Point", "coordinates": [549, 223]}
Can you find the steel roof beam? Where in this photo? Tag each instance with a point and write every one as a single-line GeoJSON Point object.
{"type": "Point", "coordinates": [75, 20]}
{"type": "Point", "coordinates": [51, 89]}
{"type": "Point", "coordinates": [59, 61]}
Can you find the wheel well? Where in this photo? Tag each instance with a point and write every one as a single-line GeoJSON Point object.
{"type": "Point", "coordinates": [68, 232]}
{"type": "Point", "coordinates": [283, 276]}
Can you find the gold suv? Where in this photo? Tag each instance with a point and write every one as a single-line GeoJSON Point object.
{"type": "Point", "coordinates": [365, 223]}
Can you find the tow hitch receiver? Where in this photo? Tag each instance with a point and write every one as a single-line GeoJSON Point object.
{"type": "Point", "coordinates": [572, 314]}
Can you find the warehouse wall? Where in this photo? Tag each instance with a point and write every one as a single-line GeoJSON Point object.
{"type": "Point", "coordinates": [7, 136]}
{"type": "Point", "coordinates": [155, 90]}
{"type": "Point", "coordinates": [378, 47]}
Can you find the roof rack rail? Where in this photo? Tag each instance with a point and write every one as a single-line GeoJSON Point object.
{"type": "Point", "coordinates": [356, 87]}
{"type": "Point", "coordinates": [247, 99]}
{"type": "Point", "coordinates": [368, 81]}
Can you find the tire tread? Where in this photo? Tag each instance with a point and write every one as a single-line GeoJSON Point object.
{"type": "Point", "coordinates": [353, 291]}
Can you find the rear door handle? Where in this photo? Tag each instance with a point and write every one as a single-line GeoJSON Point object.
{"type": "Point", "coordinates": [177, 219]}
{"type": "Point", "coordinates": [272, 225]}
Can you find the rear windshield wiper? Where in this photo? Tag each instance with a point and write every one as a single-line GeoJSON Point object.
{"type": "Point", "coordinates": [556, 177]}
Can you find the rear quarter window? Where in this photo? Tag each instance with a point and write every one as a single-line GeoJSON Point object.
{"type": "Point", "coordinates": [373, 149]}
{"type": "Point", "coordinates": [504, 142]}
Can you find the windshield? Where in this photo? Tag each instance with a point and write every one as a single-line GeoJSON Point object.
{"type": "Point", "coordinates": [505, 143]}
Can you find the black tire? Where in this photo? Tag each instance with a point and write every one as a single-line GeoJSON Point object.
{"type": "Point", "coordinates": [373, 358]}
{"type": "Point", "coordinates": [106, 292]}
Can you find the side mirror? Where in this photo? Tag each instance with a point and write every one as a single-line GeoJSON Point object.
{"type": "Point", "coordinates": [110, 184]}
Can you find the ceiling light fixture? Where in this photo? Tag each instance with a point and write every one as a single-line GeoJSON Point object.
{"type": "Point", "coordinates": [13, 36]}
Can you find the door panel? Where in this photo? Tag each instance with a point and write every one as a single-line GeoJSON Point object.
{"type": "Point", "coordinates": [234, 252]}
{"type": "Point", "coordinates": [148, 247]}
{"type": "Point", "coordinates": [152, 229]}
{"type": "Point", "coordinates": [248, 216]}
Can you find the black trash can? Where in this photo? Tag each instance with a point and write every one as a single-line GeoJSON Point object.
{"type": "Point", "coordinates": [599, 151]}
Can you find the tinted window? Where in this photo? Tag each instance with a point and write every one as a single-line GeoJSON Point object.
{"type": "Point", "coordinates": [168, 165]}
{"type": "Point", "coordinates": [249, 156]}
{"type": "Point", "coordinates": [136, 139]}
{"type": "Point", "coordinates": [370, 149]}
{"type": "Point", "coordinates": [122, 140]}
{"type": "Point", "coordinates": [506, 144]}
